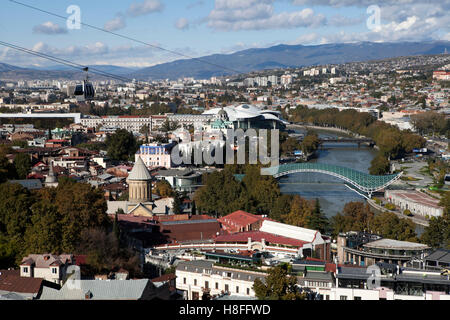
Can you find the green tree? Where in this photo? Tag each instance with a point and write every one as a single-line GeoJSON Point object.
{"type": "Point", "coordinates": [177, 204]}
{"type": "Point", "coordinates": [278, 285]}
{"type": "Point", "coordinates": [164, 189]}
{"type": "Point", "coordinates": [388, 225]}
{"type": "Point", "coordinates": [122, 145]}
{"type": "Point", "coordinates": [317, 220]}
{"type": "Point", "coordinates": [356, 216]}
{"type": "Point", "coordinates": [81, 207]}
{"type": "Point", "coordinates": [22, 163]}
{"type": "Point", "coordinates": [44, 232]}
{"type": "Point", "coordinates": [169, 126]}
{"type": "Point", "coordinates": [7, 169]}
{"type": "Point", "coordinates": [436, 235]}
{"type": "Point", "coordinates": [380, 165]}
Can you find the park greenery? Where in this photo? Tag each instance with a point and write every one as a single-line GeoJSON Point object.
{"type": "Point", "coordinates": [358, 216]}
{"type": "Point", "coordinates": [68, 219]}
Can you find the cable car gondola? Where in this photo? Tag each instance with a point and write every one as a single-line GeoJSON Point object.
{"type": "Point", "coordinates": [85, 92]}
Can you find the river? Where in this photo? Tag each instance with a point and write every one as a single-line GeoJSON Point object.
{"type": "Point", "coordinates": [332, 194]}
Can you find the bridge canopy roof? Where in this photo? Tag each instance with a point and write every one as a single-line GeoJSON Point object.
{"type": "Point", "coordinates": [363, 181]}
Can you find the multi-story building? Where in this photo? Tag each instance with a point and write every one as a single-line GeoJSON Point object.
{"type": "Point", "coordinates": [286, 79]}
{"type": "Point", "coordinates": [130, 123]}
{"type": "Point", "coordinates": [156, 155]}
{"type": "Point", "coordinates": [388, 283]}
{"type": "Point", "coordinates": [362, 249]}
{"type": "Point", "coordinates": [187, 120]}
{"type": "Point", "coordinates": [194, 278]}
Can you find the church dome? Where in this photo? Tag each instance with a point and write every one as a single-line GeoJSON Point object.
{"type": "Point", "coordinates": [140, 172]}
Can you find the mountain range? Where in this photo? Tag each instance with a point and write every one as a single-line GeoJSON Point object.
{"type": "Point", "coordinates": [276, 57]}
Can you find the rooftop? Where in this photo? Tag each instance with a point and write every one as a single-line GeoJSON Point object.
{"type": "Point", "coordinates": [396, 245]}
{"type": "Point", "coordinates": [140, 172]}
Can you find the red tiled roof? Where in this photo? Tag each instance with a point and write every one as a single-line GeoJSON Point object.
{"type": "Point", "coordinates": [258, 236]}
{"type": "Point", "coordinates": [239, 219]}
{"type": "Point", "coordinates": [191, 232]}
{"type": "Point", "coordinates": [164, 278]}
{"type": "Point", "coordinates": [13, 283]}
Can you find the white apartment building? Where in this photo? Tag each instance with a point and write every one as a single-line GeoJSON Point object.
{"type": "Point", "coordinates": [186, 120]}
{"type": "Point", "coordinates": [196, 277]}
{"type": "Point", "coordinates": [286, 79]}
{"type": "Point", "coordinates": [130, 123]}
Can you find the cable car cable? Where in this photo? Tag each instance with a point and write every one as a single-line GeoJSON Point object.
{"type": "Point", "coordinates": [128, 38]}
{"type": "Point", "coordinates": [65, 62]}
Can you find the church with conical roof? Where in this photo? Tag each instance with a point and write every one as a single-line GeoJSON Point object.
{"type": "Point", "coordinates": [140, 190]}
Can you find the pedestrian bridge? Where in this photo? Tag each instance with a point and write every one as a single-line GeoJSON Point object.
{"type": "Point", "coordinates": [363, 182]}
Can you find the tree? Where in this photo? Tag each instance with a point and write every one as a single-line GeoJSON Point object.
{"type": "Point", "coordinates": [311, 143]}
{"type": "Point", "coordinates": [278, 285]}
{"type": "Point", "coordinates": [388, 225]}
{"type": "Point", "coordinates": [164, 189]}
{"type": "Point", "coordinates": [7, 169]}
{"type": "Point", "coordinates": [436, 235]}
{"type": "Point", "coordinates": [317, 220]}
{"type": "Point", "coordinates": [116, 227]}
{"type": "Point", "coordinates": [356, 216]}
{"type": "Point", "coordinates": [44, 232]}
{"type": "Point", "coordinates": [22, 163]}
{"type": "Point", "coordinates": [380, 165]}
{"type": "Point", "coordinates": [122, 145]}
{"type": "Point", "coordinates": [177, 204]}
{"type": "Point", "coordinates": [81, 207]}
{"type": "Point", "coordinates": [194, 209]}
{"type": "Point", "coordinates": [169, 126]}
{"type": "Point", "coordinates": [300, 209]}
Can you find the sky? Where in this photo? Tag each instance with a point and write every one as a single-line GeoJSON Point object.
{"type": "Point", "coordinates": [196, 28]}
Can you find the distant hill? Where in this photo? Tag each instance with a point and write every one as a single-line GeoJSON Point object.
{"type": "Point", "coordinates": [281, 56]}
{"type": "Point", "coordinates": [116, 70]}
{"type": "Point", "coordinates": [284, 56]}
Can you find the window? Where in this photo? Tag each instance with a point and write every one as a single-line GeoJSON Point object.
{"type": "Point", "coordinates": [195, 282]}
{"type": "Point", "coordinates": [343, 297]}
{"type": "Point", "coordinates": [248, 291]}
{"type": "Point", "coordinates": [237, 289]}
{"type": "Point", "coordinates": [327, 297]}
{"type": "Point", "coordinates": [25, 269]}
{"type": "Point", "coordinates": [206, 285]}
{"type": "Point", "coordinates": [357, 298]}
{"type": "Point", "coordinates": [217, 285]}
{"type": "Point", "coordinates": [54, 270]}
{"type": "Point", "coordinates": [227, 289]}
{"type": "Point", "coordinates": [184, 280]}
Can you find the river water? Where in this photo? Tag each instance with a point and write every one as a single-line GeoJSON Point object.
{"type": "Point", "coordinates": [333, 195]}
{"type": "Point", "coordinates": [331, 192]}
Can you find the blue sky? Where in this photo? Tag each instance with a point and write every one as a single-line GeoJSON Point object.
{"type": "Point", "coordinates": [202, 27]}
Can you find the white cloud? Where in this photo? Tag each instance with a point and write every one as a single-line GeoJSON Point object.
{"type": "Point", "coordinates": [182, 24]}
{"type": "Point", "coordinates": [143, 8]}
{"type": "Point", "coordinates": [116, 24]}
{"type": "Point", "coordinates": [49, 28]}
{"type": "Point", "coordinates": [235, 15]}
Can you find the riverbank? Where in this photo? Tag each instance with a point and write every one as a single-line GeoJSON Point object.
{"type": "Point", "coordinates": [311, 127]}
{"type": "Point", "coordinates": [416, 220]}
